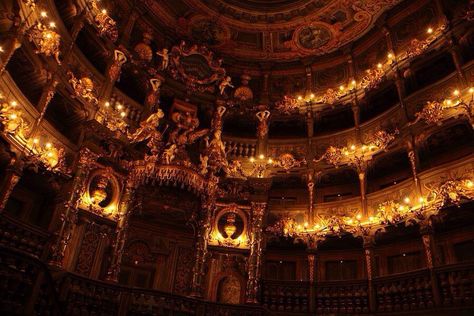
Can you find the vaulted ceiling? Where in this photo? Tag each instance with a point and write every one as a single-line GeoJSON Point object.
{"type": "Point", "coordinates": [270, 30]}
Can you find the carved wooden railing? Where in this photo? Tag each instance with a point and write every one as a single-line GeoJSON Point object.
{"type": "Point", "coordinates": [456, 285]}
{"type": "Point", "coordinates": [240, 147]}
{"type": "Point", "coordinates": [407, 292]}
{"type": "Point", "coordinates": [342, 297]}
{"type": "Point", "coordinates": [26, 287]}
{"type": "Point", "coordinates": [288, 296]}
{"type": "Point", "coordinates": [19, 235]}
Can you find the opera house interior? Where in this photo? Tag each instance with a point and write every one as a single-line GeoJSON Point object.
{"type": "Point", "coordinates": [236, 157]}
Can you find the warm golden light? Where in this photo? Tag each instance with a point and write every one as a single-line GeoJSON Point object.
{"type": "Point", "coordinates": [429, 30]}
{"type": "Point", "coordinates": [406, 200]}
{"type": "Point", "coordinates": [390, 55]}
{"type": "Point", "coordinates": [456, 93]}
{"type": "Point", "coordinates": [379, 66]}
{"type": "Point", "coordinates": [262, 156]}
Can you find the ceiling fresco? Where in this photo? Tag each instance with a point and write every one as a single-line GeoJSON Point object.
{"type": "Point", "coordinates": [271, 29]}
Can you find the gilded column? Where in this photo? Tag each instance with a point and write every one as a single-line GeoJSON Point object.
{"type": "Point", "coordinates": [13, 44]}
{"type": "Point", "coordinates": [309, 80]}
{"type": "Point", "coordinates": [262, 131]}
{"type": "Point", "coordinates": [128, 27]}
{"type": "Point", "coordinates": [77, 26]}
{"type": "Point", "coordinates": [362, 173]}
{"type": "Point", "coordinates": [114, 70]}
{"type": "Point", "coordinates": [69, 210]}
{"type": "Point", "coordinates": [356, 112]}
{"type": "Point", "coordinates": [427, 236]}
{"type": "Point", "coordinates": [12, 176]}
{"type": "Point", "coordinates": [368, 244]}
{"type": "Point", "coordinates": [208, 205]}
{"type": "Point", "coordinates": [121, 233]}
{"type": "Point", "coordinates": [413, 157]}
{"type": "Point", "coordinates": [312, 271]}
{"type": "Point", "coordinates": [255, 257]}
{"type": "Point", "coordinates": [457, 59]}
{"type": "Point", "coordinates": [46, 96]}
{"type": "Point", "coordinates": [310, 185]}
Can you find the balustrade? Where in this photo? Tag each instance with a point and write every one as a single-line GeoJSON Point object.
{"type": "Point", "coordinates": [237, 148]}
{"type": "Point", "coordinates": [456, 284]}
{"type": "Point", "coordinates": [18, 235]}
{"type": "Point", "coordinates": [342, 297]}
{"type": "Point", "coordinates": [407, 292]}
{"type": "Point", "coordinates": [28, 288]}
{"type": "Point", "coordinates": [286, 296]}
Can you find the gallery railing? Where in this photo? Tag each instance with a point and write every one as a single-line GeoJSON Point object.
{"type": "Point", "coordinates": [453, 289]}
{"type": "Point", "coordinates": [28, 288]}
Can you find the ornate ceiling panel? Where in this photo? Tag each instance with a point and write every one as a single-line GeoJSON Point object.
{"type": "Point", "coordinates": [271, 29]}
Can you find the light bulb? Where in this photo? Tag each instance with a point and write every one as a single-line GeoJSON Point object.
{"type": "Point", "coordinates": [262, 156]}
{"type": "Point", "coordinates": [406, 200]}
{"type": "Point", "coordinates": [379, 65]}
{"type": "Point", "coordinates": [429, 30]}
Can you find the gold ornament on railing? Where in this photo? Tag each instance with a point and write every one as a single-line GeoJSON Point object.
{"type": "Point", "coordinates": [417, 47]}
{"type": "Point", "coordinates": [355, 155]}
{"type": "Point", "coordinates": [12, 120]}
{"type": "Point", "coordinates": [105, 24]}
{"type": "Point", "coordinates": [83, 88]}
{"type": "Point", "coordinates": [434, 112]}
{"type": "Point", "coordinates": [387, 214]}
{"type": "Point", "coordinates": [39, 153]}
{"type": "Point", "coordinates": [113, 117]}
{"type": "Point", "coordinates": [45, 38]}
{"type": "Point", "coordinates": [287, 106]}
{"type": "Point", "coordinates": [46, 154]}
{"type": "Point", "coordinates": [371, 79]}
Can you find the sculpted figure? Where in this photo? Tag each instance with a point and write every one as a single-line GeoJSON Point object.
{"type": "Point", "coordinates": [217, 118]}
{"type": "Point", "coordinates": [147, 127]}
{"type": "Point", "coordinates": [226, 82]}
{"type": "Point", "coordinates": [165, 58]}
{"type": "Point", "coordinates": [185, 130]}
{"type": "Point", "coordinates": [263, 117]}
{"type": "Point", "coordinates": [116, 67]}
{"type": "Point", "coordinates": [153, 94]}
{"type": "Point", "coordinates": [169, 154]}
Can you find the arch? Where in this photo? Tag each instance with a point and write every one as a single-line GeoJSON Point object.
{"type": "Point", "coordinates": [226, 283]}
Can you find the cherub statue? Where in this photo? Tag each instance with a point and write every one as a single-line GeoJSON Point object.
{"type": "Point", "coordinates": [147, 127]}
{"type": "Point", "coordinates": [185, 130]}
{"type": "Point", "coordinates": [169, 154]}
{"type": "Point", "coordinates": [204, 163]}
{"type": "Point", "coordinates": [234, 170]}
{"type": "Point", "coordinates": [83, 87]}
{"type": "Point", "coordinates": [226, 82]}
{"type": "Point", "coordinates": [165, 58]}
{"type": "Point", "coordinates": [47, 40]}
